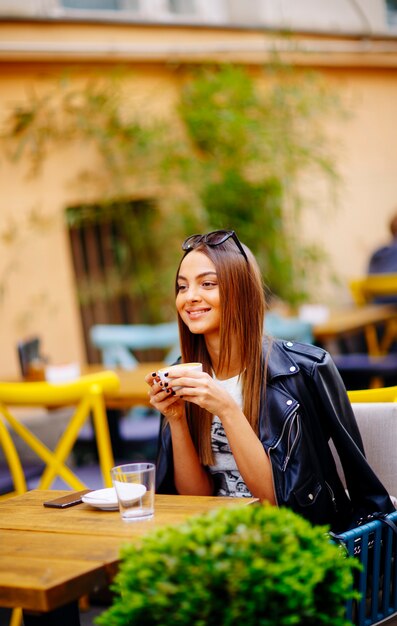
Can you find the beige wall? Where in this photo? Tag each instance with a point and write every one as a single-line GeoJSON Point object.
{"type": "Point", "coordinates": [367, 160]}
{"type": "Point", "coordinates": [35, 264]}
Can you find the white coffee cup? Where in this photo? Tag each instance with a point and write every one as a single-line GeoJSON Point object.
{"type": "Point", "coordinates": [164, 372]}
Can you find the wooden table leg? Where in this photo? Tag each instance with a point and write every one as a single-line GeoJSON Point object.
{"type": "Point", "coordinates": [371, 337]}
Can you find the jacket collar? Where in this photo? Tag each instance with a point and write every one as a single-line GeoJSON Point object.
{"type": "Point", "coordinates": [280, 361]}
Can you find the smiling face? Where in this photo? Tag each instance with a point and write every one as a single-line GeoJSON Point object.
{"type": "Point", "coordinates": [197, 299]}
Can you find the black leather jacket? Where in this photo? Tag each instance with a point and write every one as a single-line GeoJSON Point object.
{"type": "Point", "coordinates": [303, 407]}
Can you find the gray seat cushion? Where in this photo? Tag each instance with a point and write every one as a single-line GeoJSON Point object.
{"type": "Point", "coordinates": [377, 422]}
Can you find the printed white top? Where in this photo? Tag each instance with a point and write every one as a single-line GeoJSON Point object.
{"type": "Point", "coordinates": [226, 476]}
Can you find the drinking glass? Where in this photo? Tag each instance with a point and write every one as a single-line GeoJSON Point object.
{"type": "Point", "coordinates": [134, 484]}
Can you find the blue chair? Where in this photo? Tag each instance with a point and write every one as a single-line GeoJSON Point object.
{"type": "Point", "coordinates": [117, 343]}
{"type": "Point", "coordinates": [136, 432]}
{"type": "Point", "coordinates": [374, 545]}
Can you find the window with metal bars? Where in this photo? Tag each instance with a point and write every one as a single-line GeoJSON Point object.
{"type": "Point", "coordinates": [107, 252]}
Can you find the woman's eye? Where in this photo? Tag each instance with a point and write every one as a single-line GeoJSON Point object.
{"type": "Point", "coordinates": [209, 284]}
{"type": "Point", "coordinates": [181, 288]}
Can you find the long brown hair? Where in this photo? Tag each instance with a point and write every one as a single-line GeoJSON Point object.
{"type": "Point", "coordinates": [242, 300]}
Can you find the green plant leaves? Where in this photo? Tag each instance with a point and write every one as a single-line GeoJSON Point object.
{"type": "Point", "coordinates": [255, 565]}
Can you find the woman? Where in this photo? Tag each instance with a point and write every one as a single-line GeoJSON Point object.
{"type": "Point", "coordinates": [258, 419]}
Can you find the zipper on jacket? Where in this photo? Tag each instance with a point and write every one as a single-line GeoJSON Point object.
{"type": "Point", "coordinates": [331, 493]}
{"type": "Point", "coordinates": [286, 423]}
{"type": "Point", "coordinates": [270, 450]}
{"type": "Point", "coordinates": [291, 446]}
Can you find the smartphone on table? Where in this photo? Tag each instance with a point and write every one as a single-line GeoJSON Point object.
{"type": "Point", "coordinates": [70, 499]}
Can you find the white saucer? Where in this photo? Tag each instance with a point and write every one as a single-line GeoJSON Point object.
{"type": "Point", "coordinates": [105, 499]}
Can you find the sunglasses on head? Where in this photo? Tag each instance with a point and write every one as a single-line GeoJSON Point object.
{"type": "Point", "coordinates": [213, 239]}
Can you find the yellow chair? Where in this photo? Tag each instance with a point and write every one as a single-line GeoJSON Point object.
{"type": "Point", "coordinates": [86, 394]}
{"type": "Point", "coordinates": [381, 394]}
{"type": "Point", "coordinates": [364, 290]}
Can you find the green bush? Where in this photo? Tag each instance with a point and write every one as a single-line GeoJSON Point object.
{"type": "Point", "coordinates": [252, 565]}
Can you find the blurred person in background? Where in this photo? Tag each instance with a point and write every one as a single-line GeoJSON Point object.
{"type": "Point", "coordinates": [384, 259]}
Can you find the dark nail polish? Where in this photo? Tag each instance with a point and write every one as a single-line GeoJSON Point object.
{"type": "Point", "coordinates": [154, 374]}
{"type": "Point", "coordinates": [173, 393]}
{"type": "Point", "coordinates": [165, 373]}
{"type": "Point", "coordinates": [165, 384]}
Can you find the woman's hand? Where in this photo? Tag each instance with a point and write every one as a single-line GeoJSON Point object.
{"type": "Point", "coordinates": [164, 399]}
{"type": "Point", "coordinates": [201, 389]}
{"type": "Point", "coordinates": [189, 474]}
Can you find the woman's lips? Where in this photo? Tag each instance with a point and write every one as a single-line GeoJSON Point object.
{"type": "Point", "coordinates": [193, 314]}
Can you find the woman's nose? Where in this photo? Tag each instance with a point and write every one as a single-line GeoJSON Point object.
{"type": "Point", "coordinates": [192, 294]}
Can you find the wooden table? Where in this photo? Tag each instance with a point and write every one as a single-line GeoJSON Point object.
{"type": "Point", "coordinates": [51, 557]}
{"type": "Point", "coordinates": [133, 389]}
{"type": "Point", "coordinates": [347, 322]}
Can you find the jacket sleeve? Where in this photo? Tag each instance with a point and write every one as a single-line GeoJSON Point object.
{"type": "Point", "coordinates": [366, 491]}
